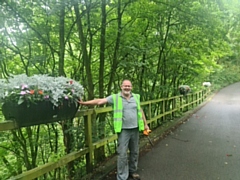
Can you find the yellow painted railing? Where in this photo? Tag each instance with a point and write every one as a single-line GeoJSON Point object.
{"type": "Point", "coordinates": [165, 108]}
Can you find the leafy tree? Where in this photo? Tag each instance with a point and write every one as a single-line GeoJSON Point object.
{"type": "Point", "coordinates": [158, 44]}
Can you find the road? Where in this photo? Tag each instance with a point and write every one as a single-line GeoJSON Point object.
{"type": "Point", "coordinates": [205, 147]}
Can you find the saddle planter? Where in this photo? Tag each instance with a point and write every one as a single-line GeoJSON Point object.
{"type": "Point", "coordinates": [42, 112]}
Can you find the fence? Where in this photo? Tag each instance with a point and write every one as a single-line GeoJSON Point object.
{"type": "Point", "coordinates": [157, 112]}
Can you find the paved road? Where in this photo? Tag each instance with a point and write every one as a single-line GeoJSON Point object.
{"type": "Point", "coordinates": [205, 147]}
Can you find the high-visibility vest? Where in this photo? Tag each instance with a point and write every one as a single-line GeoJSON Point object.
{"type": "Point", "coordinates": [118, 112]}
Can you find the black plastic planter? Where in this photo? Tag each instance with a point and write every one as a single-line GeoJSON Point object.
{"type": "Point", "coordinates": [42, 112]}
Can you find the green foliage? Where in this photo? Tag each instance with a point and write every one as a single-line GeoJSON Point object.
{"type": "Point", "coordinates": [157, 44]}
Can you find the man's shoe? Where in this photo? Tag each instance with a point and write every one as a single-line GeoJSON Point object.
{"type": "Point", "coordinates": [135, 176]}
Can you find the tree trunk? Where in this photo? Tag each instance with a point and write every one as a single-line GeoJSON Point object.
{"type": "Point", "coordinates": [61, 40]}
{"type": "Point", "coordinates": [99, 153]}
{"type": "Point", "coordinates": [86, 58]}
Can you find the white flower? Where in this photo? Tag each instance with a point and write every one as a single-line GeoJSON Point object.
{"type": "Point", "coordinates": [21, 88]}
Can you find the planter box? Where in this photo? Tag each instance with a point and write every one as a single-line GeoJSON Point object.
{"type": "Point", "coordinates": [41, 113]}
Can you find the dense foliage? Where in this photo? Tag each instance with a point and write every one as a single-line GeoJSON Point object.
{"type": "Point", "coordinates": [158, 44]}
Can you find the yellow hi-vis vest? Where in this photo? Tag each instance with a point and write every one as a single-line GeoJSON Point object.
{"type": "Point", "coordinates": [118, 112]}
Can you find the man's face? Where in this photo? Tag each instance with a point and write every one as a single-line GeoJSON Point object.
{"type": "Point", "coordinates": [126, 87]}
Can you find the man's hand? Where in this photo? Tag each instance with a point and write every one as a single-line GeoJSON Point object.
{"type": "Point", "coordinates": [146, 127]}
{"type": "Point", "coordinates": [81, 102]}
{"type": "Point", "coordinates": [146, 132]}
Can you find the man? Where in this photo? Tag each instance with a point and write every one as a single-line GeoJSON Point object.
{"type": "Point", "coordinates": [129, 119]}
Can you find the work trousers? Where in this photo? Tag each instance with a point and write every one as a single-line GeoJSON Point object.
{"type": "Point", "coordinates": [128, 139]}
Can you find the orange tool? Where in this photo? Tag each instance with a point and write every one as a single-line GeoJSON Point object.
{"type": "Point", "coordinates": [146, 133]}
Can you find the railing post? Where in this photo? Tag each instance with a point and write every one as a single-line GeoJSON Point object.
{"type": "Point", "coordinates": [89, 144]}
{"type": "Point", "coordinates": [169, 107]}
{"type": "Point", "coordinates": [150, 112]}
{"type": "Point", "coordinates": [173, 106]}
{"type": "Point", "coordinates": [200, 97]}
{"type": "Point", "coordinates": [163, 110]}
{"type": "Point", "coordinates": [203, 95]}
{"type": "Point", "coordinates": [192, 96]}
{"type": "Point", "coordinates": [181, 103]}
{"type": "Point", "coordinates": [196, 99]}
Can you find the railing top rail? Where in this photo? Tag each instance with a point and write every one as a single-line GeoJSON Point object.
{"type": "Point", "coordinates": [11, 125]}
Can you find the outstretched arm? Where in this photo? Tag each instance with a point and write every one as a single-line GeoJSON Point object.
{"type": "Point", "coordinates": [94, 102]}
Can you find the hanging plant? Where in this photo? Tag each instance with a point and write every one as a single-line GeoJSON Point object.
{"type": "Point", "coordinates": [39, 99]}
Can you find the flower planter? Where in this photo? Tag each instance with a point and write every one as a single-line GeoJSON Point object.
{"type": "Point", "coordinates": [41, 113]}
{"type": "Point", "coordinates": [39, 99]}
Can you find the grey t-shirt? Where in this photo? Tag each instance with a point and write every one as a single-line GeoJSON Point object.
{"type": "Point", "coordinates": [129, 112]}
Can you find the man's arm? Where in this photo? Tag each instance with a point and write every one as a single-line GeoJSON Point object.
{"type": "Point", "coordinates": [94, 102]}
{"type": "Point", "coordinates": [144, 119]}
